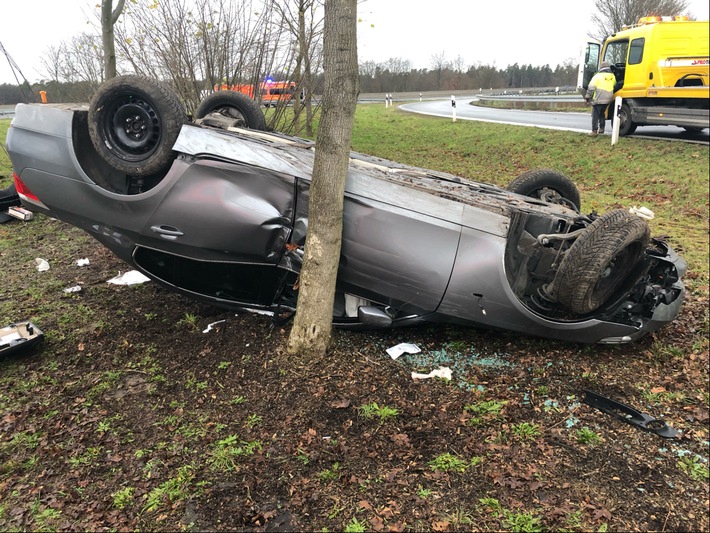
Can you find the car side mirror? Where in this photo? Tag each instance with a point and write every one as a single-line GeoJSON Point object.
{"type": "Point", "coordinates": [374, 317]}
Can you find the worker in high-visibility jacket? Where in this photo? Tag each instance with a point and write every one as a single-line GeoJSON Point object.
{"type": "Point", "coordinates": [600, 92]}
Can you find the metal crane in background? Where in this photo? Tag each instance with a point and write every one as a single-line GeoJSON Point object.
{"type": "Point", "coordinates": [25, 88]}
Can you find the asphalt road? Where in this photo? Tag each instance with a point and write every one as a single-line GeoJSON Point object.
{"type": "Point", "coordinates": [568, 121]}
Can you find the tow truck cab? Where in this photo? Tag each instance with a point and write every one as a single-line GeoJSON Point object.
{"type": "Point", "coordinates": [662, 69]}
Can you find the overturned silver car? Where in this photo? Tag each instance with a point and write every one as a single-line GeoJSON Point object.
{"type": "Point", "coordinates": [217, 209]}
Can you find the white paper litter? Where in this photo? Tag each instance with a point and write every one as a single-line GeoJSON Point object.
{"type": "Point", "coordinates": [75, 288]}
{"type": "Point", "coordinates": [443, 372]}
{"type": "Point", "coordinates": [131, 277]}
{"type": "Point", "coordinates": [82, 262]}
{"type": "Point", "coordinates": [395, 351]}
{"type": "Point", "coordinates": [42, 265]}
{"type": "Point", "coordinates": [209, 326]}
{"type": "Point", "coordinates": [643, 212]}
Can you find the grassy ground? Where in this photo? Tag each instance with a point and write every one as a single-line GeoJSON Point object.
{"type": "Point", "coordinates": [5, 167]}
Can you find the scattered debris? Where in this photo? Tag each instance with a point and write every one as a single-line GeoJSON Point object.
{"type": "Point", "coordinates": [42, 264]}
{"type": "Point", "coordinates": [442, 372]}
{"type": "Point", "coordinates": [20, 213]}
{"type": "Point", "coordinates": [82, 262]}
{"type": "Point", "coordinates": [132, 277]}
{"type": "Point", "coordinates": [643, 212]}
{"type": "Point", "coordinates": [395, 351]}
{"type": "Point", "coordinates": [19, 336]}
{"type": "Point", "coordinates": [210, 326]}
{"type": "Point", "coordinates": [75, 288]}
{"type": "Point", "coordinates": [629, 415]}
{"type": "Point", "coordinates": [465, 362]}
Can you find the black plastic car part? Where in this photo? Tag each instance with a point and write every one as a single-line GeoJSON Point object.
{"type": "Point", "coordinates": [19, 336]}
{"type": "Point", "coordinates": [9, 197]}
{"type": "Point", "coordinates": [629, 415]}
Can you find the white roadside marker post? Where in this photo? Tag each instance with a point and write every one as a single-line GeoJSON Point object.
{"type": "Point", "coordinates": [453, 107]}
{"type": "Point", "coordinates": [617, 121]}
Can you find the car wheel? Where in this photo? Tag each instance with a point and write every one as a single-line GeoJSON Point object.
{"type": "Point", "coordinates": [599, 261]}
{"type": "Point", "coordinates": [234, 105]}
{"type": "Point", "coordinates": [547, 185]}
{"type": "Point", "coordinates": [134, 123]}
{"type": "Point", "coordinates": [626, 126]}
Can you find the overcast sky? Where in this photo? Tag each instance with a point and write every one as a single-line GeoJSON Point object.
{"type": "Point", "coordinates": [497, 33]}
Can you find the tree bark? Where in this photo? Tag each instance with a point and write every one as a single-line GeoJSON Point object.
{"type": "Point", "coordinates": [311, 332]}
{"type": "Point", "coordinates": [109, 16]}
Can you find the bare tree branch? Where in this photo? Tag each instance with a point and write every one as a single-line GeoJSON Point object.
{"type": "Point", "coordinates": [611, 15]}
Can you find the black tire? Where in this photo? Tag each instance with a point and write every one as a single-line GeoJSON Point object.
{"type": "Point", "coordinates": [134, 123]}
{"type": "Point", "coordinates": [234, 105]}
{"type": "Point", "coordinates": [548, 185]}
{"type": "Point", "coordinates": [626, 126]}
{"type": "Point", "coordinates": [598, 263]}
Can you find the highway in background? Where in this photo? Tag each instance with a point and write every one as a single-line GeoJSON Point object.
{"type": "Point", "coordinates": [559, 120]}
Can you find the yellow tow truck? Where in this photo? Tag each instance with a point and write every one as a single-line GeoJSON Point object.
{"type": "Point", "coordinates": [662, 69]}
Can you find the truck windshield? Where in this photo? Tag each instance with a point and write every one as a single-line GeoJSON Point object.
{"type": "Point", "coordinates": [616, 51]}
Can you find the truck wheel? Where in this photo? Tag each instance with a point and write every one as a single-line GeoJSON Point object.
{"type": "Point", "coordinates": [134, 123]}
{"type": "Point", "coordinates": [598, 263]}
{"type": "Point", "coordinates": [548, 185]}
{"type": "Point", "coordinates": [236, 105]}
{"type": "Point", "coordinates": [626, 126]}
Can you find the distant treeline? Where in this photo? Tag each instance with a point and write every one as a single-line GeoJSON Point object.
{"type": "Point", "coordinates": [378, 78]}
{"type": "Point", "coordinates": [390, 77]}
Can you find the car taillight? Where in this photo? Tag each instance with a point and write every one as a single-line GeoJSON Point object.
{"type": "Point", "coordinates": [22, 189]}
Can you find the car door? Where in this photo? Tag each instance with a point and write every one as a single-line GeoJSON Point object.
{"type": "Point", "coordinates": [220, 232]}
{"type": "Point", "coordinates": [399, 243]}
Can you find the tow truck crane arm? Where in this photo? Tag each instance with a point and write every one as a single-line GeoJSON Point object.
{"type": "Point", "coordinates": [25, 87]}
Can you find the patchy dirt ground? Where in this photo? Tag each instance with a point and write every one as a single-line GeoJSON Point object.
{"type": "Point", "coordinates": [131, 417]}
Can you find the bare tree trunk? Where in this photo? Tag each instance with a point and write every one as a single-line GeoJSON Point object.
{"type": "Point", "coordinates": [310, 335]}
{"type": "Point", "coordinates": [304, 22]}
{"type": "Point", "coordinates": [298, 78]}
{"type": "Point", "coordinates": [308, 95]}
{"type": "Point", "coordinates": [109, 16]}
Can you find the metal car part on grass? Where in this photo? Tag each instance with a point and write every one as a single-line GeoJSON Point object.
{"type": "Point", "coordinates": [225, 220]}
